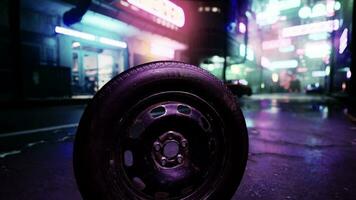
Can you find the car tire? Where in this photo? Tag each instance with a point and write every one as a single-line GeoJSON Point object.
{"type": "Point", "coordinates": [161, 130]}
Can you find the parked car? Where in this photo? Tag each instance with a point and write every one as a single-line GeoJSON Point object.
{"type": "Point", "coordinates": [239, 87]}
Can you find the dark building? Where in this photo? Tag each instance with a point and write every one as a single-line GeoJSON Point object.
{"type": "Point", "coordinates": [218, 34]}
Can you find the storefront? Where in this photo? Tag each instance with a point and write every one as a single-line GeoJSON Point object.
{"type": "Point", "coordinates": [93, 59]}
{"type": "Point", "coordinates": [99, 46]}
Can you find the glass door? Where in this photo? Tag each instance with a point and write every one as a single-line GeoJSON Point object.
{"type": "Point", "coordinates": [90, 69]}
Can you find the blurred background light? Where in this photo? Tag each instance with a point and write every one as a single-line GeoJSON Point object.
{"type": "Point", "coordinates": [208, 66]}
{"type": "Point", "coordinates": [348, 74]}
{"type": "Point", "coordinates": [316, 27]}
{"type": "Point", "coordinates": [262, 85]}
{"type": "Point", "coordinates": [302, 69]}
{"type": "Point", "coordinates": [101, 21]}
{"type": "Point", "coordinates": [250, 54]}
{"type": "Point", "coordinates": [305, 12]}
{"type": "Point", "coordinates": [337, 5]}
{"type": "Point", "coordinates": [317, 49]}
{"type": "Point", "coordinates": [318, 74]}
{"type": "Point", "coordinates": [243, 82]}
{"type": "Point", "coordinates": [274, 44]}
{"type": "Point", "coordinates": [217, 59]}
{"type": "Point", "coordinates": [112, 42]}
{"type": "Point", "coordinates": [343, 41]}
{"type": "Point", "coordinates": [285, 4]}
{"type": "Point", "coordinates": [287, 49]}
{"type": "Point", "coordinates": [124, 3]}
{"type": "Point", "coordinates": [87, 36]}
{"type": "Point", "coordinates": [283, 64]}
{"type": "Point", "coordinates": [235, 69]}
{"type": "Point", "coordinates": [162, 51]}
{"type": "Point", "coordinates": [164, 9]}
{"type": "Point", "coordinates": [265, 62]}
{"type": "Point", "coordinates": [75, 45]}
{"type": "Point", "coordinates": [242, 27]}
{"type": "Point", "coordinates": [242, 50]}
{"type": "Point", "coordinates": [74, 33]}
{"type": "Point", "coordinates": [327, 70]}
{"type": "Point", "coordinates": [215, 9]}
{"type": "Point", "coordinates": [275, 77]}
{"type": "Point", "coordinates": [318, 10]}
{"type": "Point", "coordinates": [318, 36]}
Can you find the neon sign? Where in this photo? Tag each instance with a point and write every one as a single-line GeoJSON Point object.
{"type": "Point", "coordinates": [274, 44]}
{"type": "Point", "coordinates": [282, 64]}
{"type": "Point", "coordinates": [162, 51]}
{"type": "Point", "coordinates": [163, 9]}
{"type": "Point", "coordinates": [305, 29]}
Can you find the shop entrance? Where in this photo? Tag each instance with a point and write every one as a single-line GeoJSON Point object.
{"type": "Point", "coordinates": [93, 67]}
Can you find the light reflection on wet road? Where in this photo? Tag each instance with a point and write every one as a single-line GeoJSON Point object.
{"type": "Point", "coordinates": [300, 148]}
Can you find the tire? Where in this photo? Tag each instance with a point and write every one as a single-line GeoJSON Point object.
{"type": "Point", "coordinates": [161, 130]}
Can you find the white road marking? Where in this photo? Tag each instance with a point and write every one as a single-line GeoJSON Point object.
{"type": "Point", "coordinates": [25, 132]}
{"type": "Point", "coordinates": [3, 155]}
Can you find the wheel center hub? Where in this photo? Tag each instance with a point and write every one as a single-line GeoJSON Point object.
{"type": "Point", "coordinates": [170, 150]}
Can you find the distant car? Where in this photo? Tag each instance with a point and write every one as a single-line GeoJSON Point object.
{"type": "Point", "coordinates": [239, 87]}
{"type": "Point", "coordinates": [314, 88]}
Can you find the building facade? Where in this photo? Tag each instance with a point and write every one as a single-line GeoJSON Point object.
{"type": "Point", "coordinates": [72, 48]}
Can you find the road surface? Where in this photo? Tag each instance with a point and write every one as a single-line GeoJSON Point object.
{"type": "Point", "coordinates": [300, 148]}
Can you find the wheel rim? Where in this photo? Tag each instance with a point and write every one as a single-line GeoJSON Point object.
{"type": "Point", "coordinates": [172, 147]}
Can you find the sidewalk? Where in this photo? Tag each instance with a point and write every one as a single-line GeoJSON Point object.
{"type": "Point", "coordinates": [41, 102]}
{"type": "Point", "coordinates": [37, 117]}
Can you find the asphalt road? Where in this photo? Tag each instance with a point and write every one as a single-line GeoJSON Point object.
{"type": "Point", "coordinates": [300, 148]}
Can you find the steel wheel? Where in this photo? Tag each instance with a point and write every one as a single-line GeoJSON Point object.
{"type": "Point", "coordinates": [160, 141]}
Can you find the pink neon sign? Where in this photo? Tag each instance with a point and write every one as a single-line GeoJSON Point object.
{"type": "Point", "coordinates": [163, 9]}
{"type": "Point", "coordinates": [305, 29]}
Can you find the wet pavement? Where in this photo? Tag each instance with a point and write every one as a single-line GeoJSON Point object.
{"type": "Point", "coordinates": [300, 148]}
